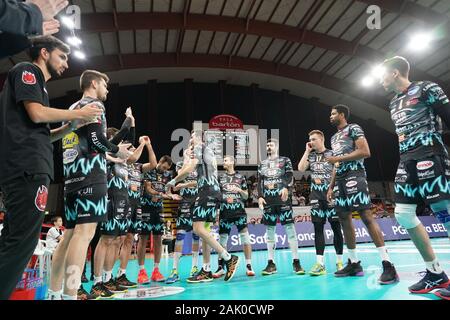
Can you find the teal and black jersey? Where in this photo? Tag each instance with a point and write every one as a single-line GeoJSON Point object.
{"type": "Point", "coordinates": [135, 181]}
{"type": "Point", "coordinates": [188, 194]}
{"type": "Point", "coordinates": [342, 143]}
{"type": "Point", "coordinates": [118, 179]}
{"type": "Point", "coordinates": [321, 171]}
{"type": "Point", "coordinates": [417, 124]}
{"type": "Point", "coordinates": [158, 181]}
{"type": "Point", "coordinates": [83, 157]}
{"type": "Point", "coordinates": [207, 182]}
{"type": "Point", "coordinates": [273, 176]}
{"type": "Point", "coordinates": [232, 202]}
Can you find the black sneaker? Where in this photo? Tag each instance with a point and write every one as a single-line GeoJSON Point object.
{"type": "Point", "coordinates": [297, 267]}
{"type": "Point", "coordinates": [389, 274]}
{"type": "Point", "coordinates": [92, 277]}
{"type": "Point", "coordinates": [443, 293]}
{"type": "Point", "coordinates": [271, 268]}
{"type": "Point", "coordinates": [202, 276]}
{"type": "Point", "coordinates": [84, 279]}
{"type": "Point", "coordinates": [231, 266]}
{"type": "Point", "coordinates": [84, 295]}
{"type": "Point", "coordinates": [219, 272]}
{"type": "Point", "coordinates": [430, 282]}
{"type": "Point", "coordinates": [352, 269]}
{"type": "Point", "coordinates": [112, 286]}
{"type": "Point", "coordinates": [124, 282]}
{"type": "Point", "coordinates": [101, 292]}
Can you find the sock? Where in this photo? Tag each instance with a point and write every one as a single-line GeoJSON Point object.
{"type": "Point", "coordinates": [54, 295]}
{"type": "Point", "coordinates": [195, 258]}
{"type": "Point", "coordinates": [121, 272]}
{"type": "Point", "coordinates": [319, 259]}
{"type": "Point", "coordinates": [97, 280]}
{"type": "Point", "coordinates": [248, 261]}
{"type": "Point", "coordinates": [338, 258]}
{"type": "Point", "coordinates": [156, 265]}
{"type": "Point", "coordinates": [383, 253]}
{"type": "Point", "coordinates": [434, 266]}
{"type": "Point", "coordinates": [176, 260]}
{"type": "Point", "coordinates": [207, 267]}
{"type": "Point", "coordinates": [225, 255]}
{"type": "Point", "coordinates": [141, 267]}
{"type": "Point", "coordinates": [107, 275]}
{"type": "Point", "coordinates": [67, 297]}
{"type": "Point", "coordinates": [271, 250]}
{"type": "Point", "coordinates": [294, 249]}
{"type": "Point", "coordinates": [352, 255]}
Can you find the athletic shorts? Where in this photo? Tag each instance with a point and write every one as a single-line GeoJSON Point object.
{"type": "Point", "coordinates": [152, 222]}
{"type": "Point", "coordinates": [87, 205]}
{"type": "Point", "coordinates": [118, 212]}
{"type": "Point", "coordinates": [352, 192]}
{"type": "Point", "coordinates": [274, 213]}
{"type": "Point", "coordinates": [184, 219]}
{"type": "Point", "coordinates": [205, 208]}
{"type": "Point", "coordinates": [225, 224]}
{"type": "Point", "coordinates": [424, 180]}
{"type": "Point", "coordinates": [134, 217]}
{"type": "Point", "coordinates": [321, 210]}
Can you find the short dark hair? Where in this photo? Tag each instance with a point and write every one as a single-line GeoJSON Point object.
{"type": "Point", "coordinates": [166, 159]}
{"type": "Point", "coordinates": [399, 63]}
{"type": "Point", "coordinates": [275, 141]}
{"type": "Point", "coordinates": [88, 75]}
{"type": "Point", "coordinates": [55, 218]}
{"type": "Point", "coordinates": [48, 42]}
{"type": "Point", "coordinates": [320, 133]}
{"type": "Point", "coordinates": [111, 132]}
{"type": "Point", "coordinates": [342, 108]}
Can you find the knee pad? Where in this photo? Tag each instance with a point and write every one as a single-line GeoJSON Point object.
{"type": "Point", "coordinates": [195, 237]}
{"type": "Point", "coordinates": [440, 211]}
{"type": "Point", "coordinates": [223, 239]}
{"type": "Point", "coordinates": [181, 234]}
{"type": "Point", "coordinates": [290, 231]}
{"type": "Point", "coordinates": [270, 233]}
{"type": "Point", "coordinates": [245, 237]}
{"type": "Point", "coordinates": [406, 215]}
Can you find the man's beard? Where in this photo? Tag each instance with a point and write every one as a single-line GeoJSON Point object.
{"type": "Point", "coordinates": [51, 70]}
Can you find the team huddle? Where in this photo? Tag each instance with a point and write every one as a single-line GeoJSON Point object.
{"type": "Point", "coordinates": [110, 194]}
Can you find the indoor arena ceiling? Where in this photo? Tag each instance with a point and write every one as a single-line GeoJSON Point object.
{"type": "Point", "coordinates": [313, 48]}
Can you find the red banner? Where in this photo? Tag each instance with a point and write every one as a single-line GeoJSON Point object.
{"type": "Point", "coordinates": [225, 121]}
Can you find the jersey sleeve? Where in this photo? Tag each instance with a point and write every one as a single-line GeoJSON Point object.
{"type": "Point", "coordinates": [244, 185]}
{"type": "Point", "coordinates": [27, 86]}
{"type": "Point", "coordinates": [356, 132]}
{"type": "Point", "coordinates": [289, 174]}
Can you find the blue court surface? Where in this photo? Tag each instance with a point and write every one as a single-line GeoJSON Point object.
{"type": "Point", "coordinates": [285, 285]}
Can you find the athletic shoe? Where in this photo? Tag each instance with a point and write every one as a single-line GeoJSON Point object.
{"type": "Point", "coordinates": [352, 269]}
{"type": "Point", "coordinates": [174, 277]}
{"type": "Point", "coordinates": [112, 286]}
{"type": "Point", "coordinates": [250, 272]}
{"type": "Point", "coordinates": [194, 271]}
{"type": "Point", "coordinates": [339, 266]}
{"type": "Point", "coordinates": [271, 268]}
{"type": "Point", "coordinates": [443, 293]}
{"type": "Point", "coordinates": [157, 276]}
{"type": "Point", "coordinates": [318, 270]}
{"type": "Point", "coordinates": [220, 272]}
{"type": "Point", "coordinates": [389, 274]}
{"type": "Point", "coordinates": [143, 277]}
{"type": "Point", "coordinates": [84, 295]}
{"type": "Point", "coordinates": [430, 282]}
{"type": "Point", "coordinates": [124, 282]}
{"type": "Point", "coordinates": [202, 276]}
{"type": "Point", "coordinates": [297, 267]}
{"type": "Point", "coordinates": [101, 292]}
{"type": "Point", "coordinates": [84, 279]}
{"type": "Point", "coordinates": [231, 265]}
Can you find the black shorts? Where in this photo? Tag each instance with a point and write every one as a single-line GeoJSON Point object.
{"type": "Point", "coordinates": [151, 222]}
{"type": "Point", "coordinates": [225, 224]}
{"type": "Point", "coordinates": [118, 211]}
{"type": "Point", "coordinates": [134, 217]}
{"type": "Point", "coordinates": [321, 210]}
{"type": "Point", "coordinates": [87, 205]}
{"type": "Point", "coordinates": [281, 212]}
{"type": "Point", "coordinates": [352, 192]}
{"type": "Point", "coordinates": [205, 208]}
{"type": "Point", "coordinates": [184, 219]}
{"type": "Point", "coordinates": [424, 180]}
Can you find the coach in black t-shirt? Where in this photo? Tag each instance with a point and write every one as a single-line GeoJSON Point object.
{"type": "Point", "coordinates": [26, 152]}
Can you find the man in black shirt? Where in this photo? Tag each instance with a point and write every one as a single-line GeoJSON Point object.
{"type": "Point", "coordinates": [85, 191]}
{"type": "Point", "coordinates": [26, 152]}
{"type": "Point", "coordinates": [423, 176]}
